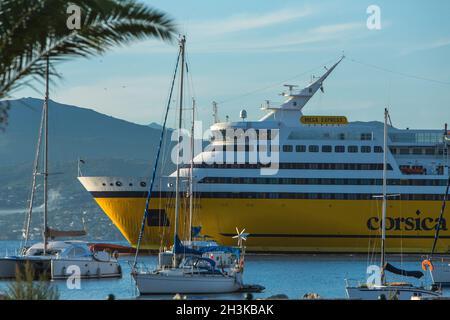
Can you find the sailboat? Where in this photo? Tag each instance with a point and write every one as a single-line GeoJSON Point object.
{"type": "Point", "coordinates": [440, 269]}
{"type": "Point", "coordinates": [382, 289]}
{"type": "Point", "coordinates": [186, 269]}
{"type": "Point", "coordinates": [52, 258]}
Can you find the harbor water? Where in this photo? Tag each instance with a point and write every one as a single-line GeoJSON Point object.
{"type": "Point", "coordinates": [291, 274]}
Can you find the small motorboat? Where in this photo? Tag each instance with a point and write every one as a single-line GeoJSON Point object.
{"type": "Point", "coordinates": [62, 260]}
{"type": "Point", "coordinates": [96, 264]}
{"type": "Point", "coordinates": [53, 259]}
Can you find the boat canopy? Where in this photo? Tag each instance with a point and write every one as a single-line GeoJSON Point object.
{"type": "Point", "coordinates": [179, 248]}
{"type": "Point", "coordinates": [416, 274]}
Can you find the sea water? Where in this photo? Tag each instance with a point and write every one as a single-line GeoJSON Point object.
{"type": "Point", "coordinates": [291, 274]}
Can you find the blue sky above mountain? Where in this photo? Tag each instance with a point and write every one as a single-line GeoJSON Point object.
{"type": "Point", "coordinates": [237, 47]}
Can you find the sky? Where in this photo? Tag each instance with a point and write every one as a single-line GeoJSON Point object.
{"type": "Point", "coordinates": [240, 53]}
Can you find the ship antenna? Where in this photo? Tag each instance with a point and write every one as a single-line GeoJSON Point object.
{"type": "Point", "coordinates": [215, 112]}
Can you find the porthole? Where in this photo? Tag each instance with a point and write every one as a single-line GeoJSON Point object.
{"type": "Point", "coordinates": [130, 184]}
{"type": "Point", "coordinates": [118, 183]}
{"type": "Point", "coordinates": [143, 184]}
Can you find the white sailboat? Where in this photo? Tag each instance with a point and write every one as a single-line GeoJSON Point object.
{"type": "Point", "coordinates": [439, 267]}
{"type": "Point", "coordinates": [385, 290]}
{"type": "Point", "coordinates": [186, 269]}
{"type": "Point", "coordinates": [53, 258]}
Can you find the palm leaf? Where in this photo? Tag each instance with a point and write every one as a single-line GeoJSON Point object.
{"type": "Point", "coordinates": [32, 30]}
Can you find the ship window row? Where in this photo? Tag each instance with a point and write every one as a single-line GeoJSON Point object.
{"type": "Point", "coordinates": [278, 195]}
{"type": "Point", "coordinates": [329, 148]}
{"type": "Point", "coordinates": [298, 148]}
{"type": "Point", "coordinates": [430, 151]}
{"type": "Point", "coordinates": [294, 165]}
{"type": "Point", "coordinates": [322, 181]}
{"type": "Point", "coordinates": [260, 134]}
{"type": "Point", "coordinates": [316, 196]}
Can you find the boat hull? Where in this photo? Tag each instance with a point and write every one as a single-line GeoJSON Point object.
{"type": "Point", "coordinates": [7, 268]}
{"type": "Point", "coordinates": [441, 273]}
{"type": "Point", "coordinates": [63, 269]}
{"type": "Point", "coordinates": [286, 225]}
{"type": "Point", "coordinates": [389, 292]}
{"type": "Point", "coordinates": [155, 283]}
{"type": "Point", "coordinates": [10, 265]}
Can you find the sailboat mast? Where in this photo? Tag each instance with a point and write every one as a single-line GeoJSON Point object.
{"type": "Point", "coordinates": [191, 173]}
{"type": "Point", "coordinates": [46, 155]}
{"type": "Point", "coordinates": [384, 205]}
{"type": "Point", "coordinates": [33, 182]}
{"type": "Point", "coordinates": [177, 183]}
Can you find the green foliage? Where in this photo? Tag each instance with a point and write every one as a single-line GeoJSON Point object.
{"type": "Point", "coordinates": [25, 288]}
{"type": "Point", "coordinates": [32, 30]}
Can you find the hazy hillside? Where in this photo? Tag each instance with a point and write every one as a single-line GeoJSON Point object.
{"type": "Point", "coordinates": [73, 132]}
{"type": "Point", "coordinates": [108, 145]}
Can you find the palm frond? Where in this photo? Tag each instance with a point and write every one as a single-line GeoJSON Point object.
{"type": "Point", "coordinates": [31, 32]}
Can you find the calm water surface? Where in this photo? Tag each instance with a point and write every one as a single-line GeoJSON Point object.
{"type": "Point", "coordinates": [293, 275]}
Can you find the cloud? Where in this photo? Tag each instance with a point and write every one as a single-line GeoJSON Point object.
{"type": "Point", "coordinates": [247, 21]}
{"type": "Point", "coordinates": [435, 44]}
{"type": "Point", "coordinates": [131, 98]}
{"type": "Point", "coordinates": [203, 33]}
{"type": "Point", "coordinates": [293, 41]}
{"type": "Point", "coordinates": [141, 99]}
{"type": "Point", "coordinates": [287, 41]}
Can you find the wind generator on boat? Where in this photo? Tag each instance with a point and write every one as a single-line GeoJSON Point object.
{"type": "Point", "coordinates": [383, 289]}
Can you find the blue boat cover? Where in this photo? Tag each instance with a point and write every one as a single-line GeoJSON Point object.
{"type": "Point", "coordinates": [179, 248]}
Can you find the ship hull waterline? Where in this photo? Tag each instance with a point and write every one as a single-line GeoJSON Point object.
{"type": "Point", "coordinates": [288, 225]}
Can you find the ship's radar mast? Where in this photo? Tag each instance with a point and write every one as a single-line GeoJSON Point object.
{"type": "Point", "coordinates": [215, 112]}
{"type": "Point", "coordinates": [290, 87]}
{"type": "Point", "coordinates": [297, 99]}
{"type": "Point", "coordinates": [243, 114]}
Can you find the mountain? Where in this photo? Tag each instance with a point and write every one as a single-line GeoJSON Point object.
{"type": "Point", "coordinates": [73, 132]}
{"type": "Point", "coordinates": [108, 146]}
{"type": "Point", "coordinates": [155, 125]}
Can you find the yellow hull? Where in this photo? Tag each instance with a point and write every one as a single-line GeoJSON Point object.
{"type": "Point", "coordinates": [284, 225]}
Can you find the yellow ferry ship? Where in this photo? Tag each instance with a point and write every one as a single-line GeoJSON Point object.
{"type": "Point", "coordinates": [321, 196]}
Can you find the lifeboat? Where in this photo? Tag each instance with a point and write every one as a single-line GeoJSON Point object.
{"type": "Point", "coordinates": [412, 169]}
